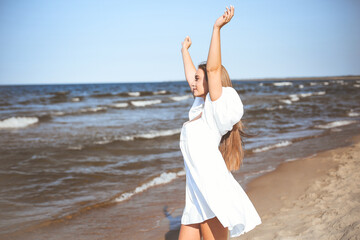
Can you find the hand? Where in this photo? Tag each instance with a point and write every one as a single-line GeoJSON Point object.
{"type": "Point", "coordinates": [225, 18]}
{"type": "Point", "coordinates": [186, 43]}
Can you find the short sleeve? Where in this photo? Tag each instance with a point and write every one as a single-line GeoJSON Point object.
{"type": "Point", "coordinates": [196, 108]}
{"type": "Point", "coordinates": [227, 110]}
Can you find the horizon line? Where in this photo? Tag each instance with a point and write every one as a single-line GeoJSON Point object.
{"type": "Point", "coordinates": [348, 77]}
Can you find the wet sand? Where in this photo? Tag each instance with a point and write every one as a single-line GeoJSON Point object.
{"type": "Point", "coordinates": [312, 198]}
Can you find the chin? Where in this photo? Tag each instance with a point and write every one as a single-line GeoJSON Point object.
{"type": "Point", "coordinates": [198, 94]}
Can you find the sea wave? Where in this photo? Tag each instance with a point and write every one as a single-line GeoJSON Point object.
{"type": "Point", "coordinates": [277, 145]}
{"type": "Point", "coordinates": [180, 98]}
{"type": "Point", "coordinates": [286, 101]}
{"type": "Point", "coordinates": [164, 178]}
{"type": "Point", "coordinates": [357, 85]}
{"type": "Point", "coordinates": [161, 92]}
{"type": "Point", "coordinates": [120, 105]}
{"type": "Point", "coordinates": [133, 94]}
{"type": "Point", "coordinates": [273, 108]}
{"type": "Point", "coordinates": [18, 122]}
{"type": "Point", "coordinates": [149, 135]}
{"type": "Point", "coordinates": [145, 102]}
{"type": "Point", "coordinates": [93, 109]}
{"type": "Point", "coordinates": [335, 124]}
{"type": "Point", "coordinates": [279, 84]}
{"type": "Point", "coordinates": [75, 99]}
{"type": "Point", "coordinates": [353, 114]}
{"type": "Point", "coordinates": [296, 97]}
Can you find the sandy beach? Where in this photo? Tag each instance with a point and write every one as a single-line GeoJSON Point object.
{"type": "Point", "coordinates": [312, 198]}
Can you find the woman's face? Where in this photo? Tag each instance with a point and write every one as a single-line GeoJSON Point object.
{"type": "Point", "coordinates": [200, 85]}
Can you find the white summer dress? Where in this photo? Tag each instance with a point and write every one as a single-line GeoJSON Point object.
{"type": "Point", "coordinates": [211, 189]}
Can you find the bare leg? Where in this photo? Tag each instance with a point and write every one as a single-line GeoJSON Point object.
{"type": "Point", "coordinates": [191, 231]}
{"type": "Point", "coordinates": [213, 229]}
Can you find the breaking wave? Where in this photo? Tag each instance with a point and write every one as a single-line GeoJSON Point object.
{"type": "Point", "coordinates": [165, 177]}
{"type": "Point", "coordinates": [18, 122]}
{"type": "Point", "coordinates": [277, 145]}
{"type": "Point", "coordinates": [279, 84]}
{"type": "Point", "coordinates": [180, 98]}
{"type": "Point", "coordinates": [335, 124]}
{"type": "Point", "coordinates": [145, 102]}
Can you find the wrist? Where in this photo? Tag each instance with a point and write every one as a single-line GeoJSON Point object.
{"type": "Point", "coordinates": [183, 49]}
{"type": "Point", "coordinates": [216, 28]}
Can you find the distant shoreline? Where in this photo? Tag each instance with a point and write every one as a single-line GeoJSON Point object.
{"type": "Point", "coordinates": [345, 77]}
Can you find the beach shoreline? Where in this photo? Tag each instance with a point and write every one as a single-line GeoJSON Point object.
{"type": "Point", "coordinates": [306, 198]}
{"type": "Point", "coordinates": [294, 201]}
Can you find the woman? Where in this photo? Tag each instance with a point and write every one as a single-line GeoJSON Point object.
{"type": "Point", "coordinates": [211, 145]}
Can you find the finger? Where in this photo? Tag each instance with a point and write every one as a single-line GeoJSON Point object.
{"type": "Point", "coordinates": [227, 12]}
{"type": "Point", "coordinates": [232, 11]}
{"type": "Point", "coordinates": [229, 16]}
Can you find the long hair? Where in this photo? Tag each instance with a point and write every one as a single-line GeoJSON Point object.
{"type": "Point", "coordinates": [231, 144]}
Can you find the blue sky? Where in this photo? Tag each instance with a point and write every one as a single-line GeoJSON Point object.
{"type": "Point", "coordinates": [63, 41]}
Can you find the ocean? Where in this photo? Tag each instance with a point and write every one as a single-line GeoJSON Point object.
{"type": "Point", "coordinates": [68, 150]}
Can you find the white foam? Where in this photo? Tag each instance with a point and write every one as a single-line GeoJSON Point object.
{"type": "Point", "coordinates": [277, 145]}
{"type": "Point", "coordinates": [94, 109]}
{"type": "Point", "coordinates": [149, 135]}
{"type": "Point", "coordinates": [145, 103]}
{"type": "Point", "coordinates": [356, 85]}
{"type": "Point", "coordinates": [320, 93]}
{"type": "Point", "coordinates": [301, 86]}
{"type": "Point", "coordinates": [18, 122]}
{"type": "Point", "coordinates": [358, 81]}
{"type": "Point", "coordinates": [180, 98]}
{"type": "Point", "coordinates": [59, 113]}
{"type": "Point", "coordinates": [273, 108]}
{"type": "Point", "coordinates": [278, 84]}
{"type": "Point", "coordinates": [353, 114]}
{"type": "Point", "coordinates": [78, 147]}
{"type": "Point", "coordinates": [159, 92]}
{"type": "Point", "coordinates": [326, 83]}
{"type": "Point", "coordinates": [286, 101]}
{"type": "Point", "coordinates": [294, 97]}
{"type": "Point", "coordinates": [261, 84]}
{"type": "Point", "coordinates": [75, 99]}
{"type": "Point", "coordinates": [335, 124]}
{"type": "Point", "coordinates": [313, 84]}
{"type": "Point", "coordinates": [134, 94]}
{"type": "Point", "coordinates": [161, 133]}
{"type": "Point", "coordinates": [304, 95]}
{"type": "Point", "coordinates": [164, 178]}
{"type": "Point", "coordinates": [120, 105]}
{"type": "Point", "coordinates": [291, 159]}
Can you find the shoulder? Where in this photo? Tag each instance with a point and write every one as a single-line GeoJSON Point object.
{"type": "Point", "coordinates": [227, 92]}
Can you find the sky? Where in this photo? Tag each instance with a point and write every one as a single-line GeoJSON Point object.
{"type": "Point", "coordinates": [87, 41]}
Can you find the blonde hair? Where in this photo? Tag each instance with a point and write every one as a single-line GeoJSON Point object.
{"type": "Point", "coordinates": [231, 144]}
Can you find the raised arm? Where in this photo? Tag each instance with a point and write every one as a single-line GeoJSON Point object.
{"type": "Point", "coordinates": [189, 67]}
{"type": "Point", "coordinates": [213, 64]}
